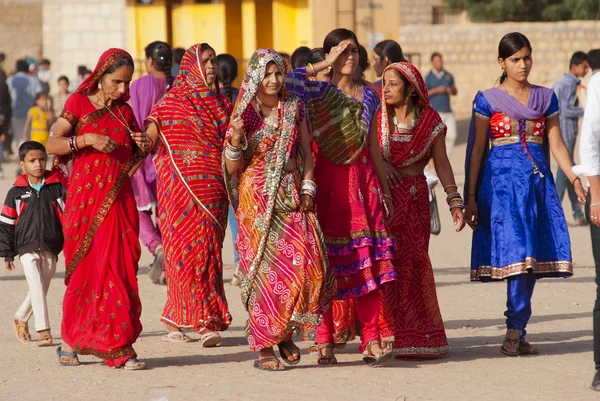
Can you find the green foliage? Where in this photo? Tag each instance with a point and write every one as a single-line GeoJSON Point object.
{"type": "Point", "coordinates": [527, 10]}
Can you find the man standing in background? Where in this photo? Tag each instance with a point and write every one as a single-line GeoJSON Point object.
{"type": "Point", "coordinates": [23, 88]}
{"type": "Point", "coordinates": [570, 112]}
{"type": "Point", "coordinates": [589, 153]}
{"type": "Point", "coordinates": [440, 85]}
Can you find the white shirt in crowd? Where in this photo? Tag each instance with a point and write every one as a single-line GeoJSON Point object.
{"type": "Point", "coordinates": [589, 146]}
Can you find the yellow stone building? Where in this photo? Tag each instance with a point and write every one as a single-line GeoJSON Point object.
{"type": "Point", "coordinates": [239, 27]}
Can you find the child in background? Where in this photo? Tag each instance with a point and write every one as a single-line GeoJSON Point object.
{"type": "Point", "coordinates": [30, 226]}
{"type": "Point", "coordinates": [39, 119]}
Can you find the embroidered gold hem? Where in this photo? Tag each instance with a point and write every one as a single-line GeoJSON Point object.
{"type": "Point", "coordinates": [107, 356]}
{"type": "Point", "coordinates": [501, 273]}
{"type": "Point", "coordinates": [354, 235]}
{"type": "Point", "coordinates": [515, 139]}
{"type": "Point", "coordinates": [421, 351]}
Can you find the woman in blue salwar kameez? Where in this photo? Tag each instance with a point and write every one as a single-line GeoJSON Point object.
{"type": "Point", "coordinates": [520, 231]}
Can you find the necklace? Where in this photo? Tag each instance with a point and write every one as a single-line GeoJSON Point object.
{"type": "Point", "coordinates": [271, 120]}
{"type": "Point", "coordinates": [267, 106]}
{"type": "Point", "coordinates": [404, 128]}
{"type": "Point", "coordinates": [122, 120]}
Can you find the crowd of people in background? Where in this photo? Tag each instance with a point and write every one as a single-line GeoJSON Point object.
{"type": "Point", "coordinates": [325, 179]}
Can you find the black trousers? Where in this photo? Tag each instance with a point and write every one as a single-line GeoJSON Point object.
{"type": "Point", "coordinates": [595, 233]}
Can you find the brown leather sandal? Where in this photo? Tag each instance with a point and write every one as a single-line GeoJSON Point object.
{"type": "Point", "coordinates": [513, 343]}
{"type": "Point", "coordinates": [22, 331]}
{"type": "Point", "coordinates": [261, 362]}
{"type": "Point", "coordinates": [45, 340]}
{"type": "Point", "coordinates": [325, 360]}
{"type": "Point", "coordinates": [527, 349]}
{"type": "Point", "coordinates": [376, 360]}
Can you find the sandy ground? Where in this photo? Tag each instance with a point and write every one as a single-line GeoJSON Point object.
{"type": "Point", "coordinates": [474, 370]}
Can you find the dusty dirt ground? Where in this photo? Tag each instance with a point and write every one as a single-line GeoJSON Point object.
{"type": "Point", "coordinates": [474, 370]}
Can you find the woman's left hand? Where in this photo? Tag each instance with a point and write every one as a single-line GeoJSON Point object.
{"type": "Point", "coordinates": [306, 203]}
{"type": "Point", "coordinates": [142, 140]}
{"type": "Point", "coordinates": [388, 210]}
{"type": "Point", "coordinates": [458, 216]}
{"type": "Point", "coordinates": [581, 193]}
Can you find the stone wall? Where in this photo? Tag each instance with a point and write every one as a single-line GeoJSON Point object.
{"type": "Point", "coordinates": [417, 12]}
{"type": "Point", "coordinates": [471, 50]}
{"type": "Point", "coordinates": [20, 30]}
{"type": "Point", "coordinates": [76, 32]}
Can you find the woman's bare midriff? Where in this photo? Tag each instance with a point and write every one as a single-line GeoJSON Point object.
{"type": "Point", "coordinates": [413, 170]}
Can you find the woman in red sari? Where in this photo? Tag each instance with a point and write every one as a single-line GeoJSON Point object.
{"type": "Point", "coordinates": [411, 133]}
{"type": "Point", "coordinates": [190, 124]}
{"type": "Point", "coordinates": [97, 130]}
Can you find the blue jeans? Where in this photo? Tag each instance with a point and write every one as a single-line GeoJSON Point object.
{"type": "Point", "coordinates": [518, 303]}
{"type": "Point", "coordinates": [234, 231]}
{"type": "Point", "coordinates": [563, 184]}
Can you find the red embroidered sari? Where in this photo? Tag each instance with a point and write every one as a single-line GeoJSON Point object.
{"type": "Point", "coordinates": [192, 198]}
{"type": "Point", "coordinates": [101, 307]}
{"type": "Point", "coordinates": [410, 317]}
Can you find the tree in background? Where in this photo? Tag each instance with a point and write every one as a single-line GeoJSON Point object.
{"type": "Point", "coordinates": [527, 10]}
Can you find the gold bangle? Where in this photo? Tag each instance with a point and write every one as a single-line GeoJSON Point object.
{"type": "Point", "coordinates": [450, 186]}
{"type": "Point", "coordinates": [314, 72]}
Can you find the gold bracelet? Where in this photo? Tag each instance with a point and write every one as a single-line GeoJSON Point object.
{"type": "Point", "coordinates": [314, 72]}
{"type": "Point", "coordinates": [450, 186]}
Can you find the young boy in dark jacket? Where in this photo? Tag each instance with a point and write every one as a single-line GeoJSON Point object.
{"type": "Point", "coordinates": [30, 226]}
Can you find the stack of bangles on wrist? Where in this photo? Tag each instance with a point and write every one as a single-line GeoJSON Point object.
{"type": "Point", "coordinates": [73, 144]}
{"type": "Point", "coordinates": [308, 187]}
{"type": "Point", "coordinates": [233, 153]}
{"type": "Point", "coordinates": [454, 200]}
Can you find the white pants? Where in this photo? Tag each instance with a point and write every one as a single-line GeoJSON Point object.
{"type": "Point", "coordinates": [39, 268]}
{"type": "Point", "coordinates": [450, 121]}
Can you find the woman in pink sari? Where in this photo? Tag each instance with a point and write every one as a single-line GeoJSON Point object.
{"type": "Point", "coordinates": [342, 118]}
{"type": "Point", "coordinates": [98, 132]}
{"type": "Point", "coordinates": [145, 92]}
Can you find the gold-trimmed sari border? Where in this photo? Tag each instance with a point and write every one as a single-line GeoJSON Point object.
{"type": "Point", "coordinates": [515, 269]}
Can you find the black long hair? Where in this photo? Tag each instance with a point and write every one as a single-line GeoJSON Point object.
{"type": "Point", "coordinates": [228, 71]}
{"type": "Point", "coordinates": [509, 45]}
{"type": "Point", "coordinates": [389, 49]}
{"type": "Point", "coordinates": [162, 56]}
{"type": "Point", "coordinates": [336, 37]}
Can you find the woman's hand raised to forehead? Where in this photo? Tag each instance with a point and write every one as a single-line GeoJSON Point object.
{"type": "Point", "coordinates": [336, 51]}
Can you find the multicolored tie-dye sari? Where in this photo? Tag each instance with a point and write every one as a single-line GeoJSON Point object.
{"type": "Point", "coordinates": [283, 265]}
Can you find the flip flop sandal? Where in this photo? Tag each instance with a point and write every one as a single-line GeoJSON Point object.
{"type": "Point", "coordinates": [288, 348]}
{"type": "Point", "coordinates": [373, 360]}
{"type": "Point", "coordinates": [325, 360]}
{"type": "Point", "coordinates": [44, 340]}
{"type": "Point", "coordinates": [176, 337]}
{"type": "Point", "coordinates": [313, 349]}
{"type": "Point", "coordinates": [22, 328]}
{"type": "Point", "coordinates": [513, 343]}
{"type": "Point", "coordinates": [260, 364]}
{"type": "Point", "coordinates": [210, 339]}
{"type": "Point", "coordinates": [137, 365]}
{"type": "Point", "coordinates": [72, 355]}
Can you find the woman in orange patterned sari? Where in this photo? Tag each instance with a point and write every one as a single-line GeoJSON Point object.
{"type": "Point", "coordinates": [285, 278]}
{"type": "Point", "coordinates": [98, 132]}
{"type": "Point", "coordinates": [411, 133]}
{"type": "Point", "coordinates": [190, 122]}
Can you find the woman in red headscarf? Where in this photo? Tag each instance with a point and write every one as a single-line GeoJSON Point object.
{"type": "Point", "coordinates": [190, 124]}
{"type": "Point", "coordinates": [411, 133]}
{"type": "Point", "coordinates": [97, 131]}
